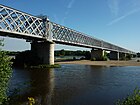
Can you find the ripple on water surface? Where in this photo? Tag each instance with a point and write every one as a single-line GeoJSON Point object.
{"type": "Point", "coordinates": [79, 84]}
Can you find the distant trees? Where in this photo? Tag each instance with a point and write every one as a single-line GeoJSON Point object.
{"type": "Point", "coordinates": [73, 53]}
{"type": "Point", "coordinates": [138, 54]}
{"type": "Point", "coordinates": [69, 53]}
{"type": "Point", "coordinates": [27, 58]}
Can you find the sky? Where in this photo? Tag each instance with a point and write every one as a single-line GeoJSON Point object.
{"type": "Point", "coordinates": [114, 21]}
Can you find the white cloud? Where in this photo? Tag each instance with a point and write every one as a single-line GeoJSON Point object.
{"type": "Point", "coordinates": [124, 16]}
{"type": "Point", "coordinates": [114, 6]}
{"type": "Point", "coordinates": [70, 4]}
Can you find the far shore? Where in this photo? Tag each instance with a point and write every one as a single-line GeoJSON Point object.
{"type": "Point", "coordinates": [102, 63]}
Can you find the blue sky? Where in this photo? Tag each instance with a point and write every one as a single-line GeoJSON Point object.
{"type": "Point", "coordinates": [115, 21]}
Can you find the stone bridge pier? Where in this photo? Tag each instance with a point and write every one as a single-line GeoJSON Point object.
{"type": "Point", "coordinates": [45, 51]}
{"type": "Point", "coordinates": [97, 54]}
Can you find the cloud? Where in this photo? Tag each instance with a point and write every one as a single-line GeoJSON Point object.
{"type": "Point", "coordinates": [114, 6]}
{"type": "Point", "coordinates": [124, 16]}
{"type": "Point", "coordinates": [70, 4]}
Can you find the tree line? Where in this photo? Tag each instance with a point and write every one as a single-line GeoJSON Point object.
{"type": "Point", "coordinates": [70, 53]}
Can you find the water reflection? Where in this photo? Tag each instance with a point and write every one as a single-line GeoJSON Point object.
{"type": "Point", "coordinates": [36, 83]}
{"type": "Point", "coordinates": [42, 85]}
{"type": "Point", "coordinates": [78, 84]}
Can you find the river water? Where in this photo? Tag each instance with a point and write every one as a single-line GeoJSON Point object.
{"type": "Point", "coordinates": [77, 84]}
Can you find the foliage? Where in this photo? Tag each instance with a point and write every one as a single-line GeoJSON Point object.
{"type": "Point", "coordinates": [93, 59]}
{"type": "Point", "coordinates": [128, 57]}
{"type": "Point", "coordinates": [104, 58]}
{"type": "Point", "coordinates": [62, 52]}
{"type": "Point", "coordinates": [27, 58]}
{"type": "Point", "coordinates": [12, 53]}
{"type": "Point", "coordinates": [5, 72]}
{"type": "Point", "coordinates": [87, 55]}
{"type": "Point", "coordinates": [31, 100]}
{"type": "Point", "coordinates": [138, 54]}
{"type": "Point", "coordinates": [46, 66]}
{"type": "Point", "coordinates": [72, 53]}
{"type": "Point", "coordinates": [74, 58]}
{"type": "Point", "coordinates": [133, 99]}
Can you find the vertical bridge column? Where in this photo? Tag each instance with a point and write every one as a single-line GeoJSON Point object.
{"type": "Point", "coordinates": [45, 51]}
{"type": "Point", "coordinates": [97, 54]}
{"type": "Point", "coordinates": [114, 55]}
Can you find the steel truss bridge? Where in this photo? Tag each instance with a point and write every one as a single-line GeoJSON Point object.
{"type": "Point", "coordinates": [14, 23]}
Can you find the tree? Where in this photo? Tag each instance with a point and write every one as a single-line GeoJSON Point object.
{"type": "Point", "coordinates": [138, 54]}
{"type": "Point", "coordinates": [5, 72]}
{"type": "Point", "coordinates": [62, 52]}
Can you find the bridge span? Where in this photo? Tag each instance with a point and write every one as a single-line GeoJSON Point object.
{"type": "Point", "coordinates": [43, 34]}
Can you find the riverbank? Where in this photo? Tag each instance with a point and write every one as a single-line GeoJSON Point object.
{"type": "Point", "coordinates": [102, 63]}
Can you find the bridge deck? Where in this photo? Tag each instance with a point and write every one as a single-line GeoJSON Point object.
{"type": "Point", "coordinates": [17, 24]}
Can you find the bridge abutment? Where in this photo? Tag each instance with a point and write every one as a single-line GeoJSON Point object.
{"type": "Point", "coordinates": [97, 54]}
{"type": "Point", "coordinates": [114, 55]}
{"type": "Point", "coordinates": [45, 51]}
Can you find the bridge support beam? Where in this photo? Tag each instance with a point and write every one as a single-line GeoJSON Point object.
{"type": "Point", "coordinates": [97, 54]}
{"type": "Point", "coordinates": [114, 55]}
{"type": "Point", "coordinates": [45, 51]}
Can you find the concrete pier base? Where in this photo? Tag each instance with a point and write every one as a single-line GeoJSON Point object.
{"type": "Point", "coordinates": [114, 55]}
{"type": "Point", "coordinates": [97, 54]}
{"type": "Point", "coordinates": [45, 51]}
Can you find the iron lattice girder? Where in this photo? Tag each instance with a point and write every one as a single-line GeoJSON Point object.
{"type": "Point", "coordinates": [20, 23]}
{"type": "Point", "coordinates": [67, 35]}
{"type": "Point", "coordinates": [15, 21]}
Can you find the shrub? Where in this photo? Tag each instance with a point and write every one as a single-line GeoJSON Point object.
{"type": "Point", "coordinates": [133, 99]}
{"type": "Point", "coordinates": [104, 58]}
{"type": "Point", "coordinates": [93, 59]}
{"type": "Point", "coordinates": [128, 57]}
{"type": "Point", "coordinates": [82, 58]}
{"type": "Point", "coordinates": [74, 58]}
{"type": "Point", "coordinates": [5, 73]}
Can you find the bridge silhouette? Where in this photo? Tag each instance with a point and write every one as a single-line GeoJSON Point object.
{"type": "Point", "coordinates": [43, 34]}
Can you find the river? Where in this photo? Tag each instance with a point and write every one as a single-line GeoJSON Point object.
{"type": "Point", "coordinates": [76, 84]}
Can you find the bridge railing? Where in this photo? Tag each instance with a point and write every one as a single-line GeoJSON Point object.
{"type": "Point", "coordinates": [15, 21]}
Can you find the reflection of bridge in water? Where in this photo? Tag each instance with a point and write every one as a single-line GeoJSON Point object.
{"type": "Point", "coordinates": [42, 85]}
{"type": "Point", "coordinates": [43, 34]}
